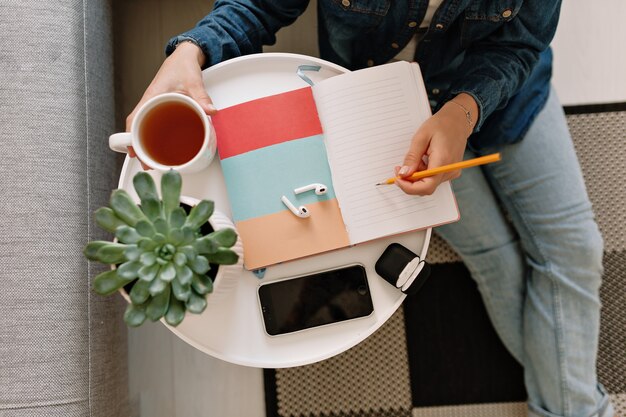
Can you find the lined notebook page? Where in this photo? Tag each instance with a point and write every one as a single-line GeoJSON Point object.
{"type": "Point", "coordinates": [369, 117]}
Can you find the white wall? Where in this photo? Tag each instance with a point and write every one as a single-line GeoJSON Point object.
{"type": "Point", "coordinates": [590, 52]}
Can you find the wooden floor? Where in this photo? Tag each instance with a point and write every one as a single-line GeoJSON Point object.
{"type": "Point", "coordinates": [169, 378]}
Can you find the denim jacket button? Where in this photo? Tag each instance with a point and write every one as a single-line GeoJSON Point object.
{"type": "Point", "coordinates": [370, 62]}
{"type": "Point", "coordinates": [436, 91]}
{"type": "Point", "coordinates": [439, 26]}
{"type": "Point", "coordinates": [412, 24]}
{"type": "Point", "coordinates": [507, 13]}
{"type": "Point", "coordinates": [395, 45]}
{"type": "Point", "coordinates": [346, 3]}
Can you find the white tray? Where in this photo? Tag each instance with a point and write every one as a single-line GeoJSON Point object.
{"type": "Point", "coordinates": [232, 329]}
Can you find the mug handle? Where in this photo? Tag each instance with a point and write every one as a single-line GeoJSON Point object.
{"type": "Point", "coordinates": [119, 142]}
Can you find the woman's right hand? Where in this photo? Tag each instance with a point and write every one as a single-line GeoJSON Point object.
{"type": "Point", "coordinates": [181, 72]}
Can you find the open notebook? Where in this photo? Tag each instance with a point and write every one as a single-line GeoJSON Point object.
{"type": "Point", "coordinates": [347, 132]}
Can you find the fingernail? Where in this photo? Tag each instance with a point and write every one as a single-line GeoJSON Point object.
{"type": "Point", "coordinates": [404, 170]}
{"type": "Point", "coordinates": [211, 108]}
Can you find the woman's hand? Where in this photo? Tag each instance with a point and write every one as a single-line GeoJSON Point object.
{"type": "Point", "coordinates": [439, 141]}
{"type": "Point", "coordinates": [181, 72]}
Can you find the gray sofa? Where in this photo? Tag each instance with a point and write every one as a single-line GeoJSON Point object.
{"type": "Point", "coordinates": [62, 348]}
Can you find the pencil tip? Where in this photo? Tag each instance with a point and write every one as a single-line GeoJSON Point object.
{"type": "Point", "coordinates": [378, 184]}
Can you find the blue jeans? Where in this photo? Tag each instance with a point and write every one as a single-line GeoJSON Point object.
{"type": "Point", "coordinates": [528, 236]}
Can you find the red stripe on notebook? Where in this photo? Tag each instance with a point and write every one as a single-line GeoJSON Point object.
{"type": "Point", "coordinates": [266, 121]}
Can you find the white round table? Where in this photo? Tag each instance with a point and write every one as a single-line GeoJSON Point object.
{"type": "Point", "coordinates": [232, 329]}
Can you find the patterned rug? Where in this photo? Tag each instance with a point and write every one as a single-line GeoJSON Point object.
{"type": "Point", "coordinates": [439, 355]}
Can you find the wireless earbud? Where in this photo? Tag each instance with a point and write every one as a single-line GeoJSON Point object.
{"type": "Point", "coordinates": [301, 211]}
{"type": "Point", "coordinates": [319, 189]}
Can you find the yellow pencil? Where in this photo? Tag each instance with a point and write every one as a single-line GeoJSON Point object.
{"type": "Point", "coordinates": [494, 157]}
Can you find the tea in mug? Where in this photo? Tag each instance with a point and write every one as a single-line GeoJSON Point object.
{"type": "Point", "coordinates": [172, 133]}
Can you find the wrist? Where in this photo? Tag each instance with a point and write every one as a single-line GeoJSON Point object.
{"type": "Point", "coordinates": [190, 50]}
{"type": "Point", "coordinates": [466, 106]}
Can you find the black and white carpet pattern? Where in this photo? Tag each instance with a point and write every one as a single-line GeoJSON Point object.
{"type": "Point", "coordinates": [439, 356]}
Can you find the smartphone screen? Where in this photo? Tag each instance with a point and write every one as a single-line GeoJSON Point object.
{"type": "Point", "coordinates": [314, 300]}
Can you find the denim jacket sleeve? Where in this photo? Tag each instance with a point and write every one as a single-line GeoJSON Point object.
{"type": "Point", "coordinates": [496, 66]}
{"type": "Point", "coordinates": [239, 27]}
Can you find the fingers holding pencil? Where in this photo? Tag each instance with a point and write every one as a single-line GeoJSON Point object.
{"type": "Point", "coordinates": [423, 186]}
{"type": "Point", "coordinates": [450, 168]}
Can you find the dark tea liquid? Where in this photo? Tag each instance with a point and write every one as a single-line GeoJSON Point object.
{"type": "Point", "coordinates": [172, 133]}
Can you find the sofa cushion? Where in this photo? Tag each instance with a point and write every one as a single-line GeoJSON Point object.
{"type": "Point", "coordinates": [62, 348]}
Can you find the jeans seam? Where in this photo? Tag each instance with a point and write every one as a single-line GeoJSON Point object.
{"type": "Point", "coordinates": [558, 315]}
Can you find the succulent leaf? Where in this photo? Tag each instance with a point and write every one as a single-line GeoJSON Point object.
{"type": "Point", "coordinates": [145, 186]}
{"type": "Point", "coordinates": [161, 226]}
{"type": "Point", "coordinates": [180, 259]}
{"type": "Point", "coordinates": [127, 234]}
{"type": "Point", "coordinates": [148, 258]}
{"type": "Point", "coordinates": [135, 315]}
{"type": "Point", "coordinates": [129, 270]}
{"type": "Point", "coordinates": [176, 237]}
{"type": "Point", "coordinates": [106, 219]}
{"type": "Point", "coordinates": [152, 208]}
{"type": "Point", "coordinates": [184, 274]}
{"type": "Point", "coordinates": [146, 244]}
{"type": "Point", "coordinates": [159, 239]}
{"type": "Point", "coordinates": [125, 208]}
{"type": "Point", "coordinates": [200, 285]}
{"type": "Point", "coordinates": [171, 184]}
{"type": "Point", "coordinates": [157, 287]}
{"type": "Point", "coordinates": [132, 252]}
{"type": "Point", "coordinates": [189, 235]}
{"type": "Point", "coordinates": [175, 313]}
{"type": "Point", "coordinates": [200, 214]}
{"type": "Point", "coordinates": [148, 272]}
{"type": "Point", "coordinates": [226, 237]}
{"type": "Point", "coordinates": [196, 304]}
{"type": "Point", "coordinates": [145, 228]}
{"type": "Point", "coordinates": [180, 291]}
{"type": "Point", "coordinates": [205, 245]}
{"type": "Point", "coordinates": [139, 294]}
{"type": "Point", "coordinates": [157, 306]}
{"type": "Point", "coordinates": [168, 272]}
{"type": "Point", "coordinates": [189, 252]}
{"type": "Point", "coordinates": [111, 253]}
{"type": "Point", "coordinates": [178, 218]}
{"type": "Point", "coordinates": [200, 265]}
{"type": "Point", "coordinates": [108, 282]}
{"type": "Point", "coordinates": [207, 281]}
{"type": "Point", "coordinates": [92, 249]}
{"type": "Point", "coordinates": [224, 256]}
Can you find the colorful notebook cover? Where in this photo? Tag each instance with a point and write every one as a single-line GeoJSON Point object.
{"type": "Point", "coordinates": [268, 147]}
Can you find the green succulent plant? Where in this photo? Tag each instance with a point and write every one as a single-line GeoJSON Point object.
{"type": "Point", "coordinates": [160, 250]}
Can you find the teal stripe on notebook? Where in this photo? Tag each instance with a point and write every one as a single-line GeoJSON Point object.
{"type": "Point", "coordinates": [256, 180]}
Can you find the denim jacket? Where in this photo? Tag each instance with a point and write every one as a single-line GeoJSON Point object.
{"type": "Point", "coordinates": [495, 50]}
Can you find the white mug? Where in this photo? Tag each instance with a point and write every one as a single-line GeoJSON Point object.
{"type": "Point", "coordinates": [167, 125]}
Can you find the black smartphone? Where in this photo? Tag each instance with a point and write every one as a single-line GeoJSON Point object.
{"type": "Point", "coordinates": [317, 299]}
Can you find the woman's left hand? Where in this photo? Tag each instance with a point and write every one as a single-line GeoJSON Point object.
{"type": "Point", "coordinates": [440, 140]}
